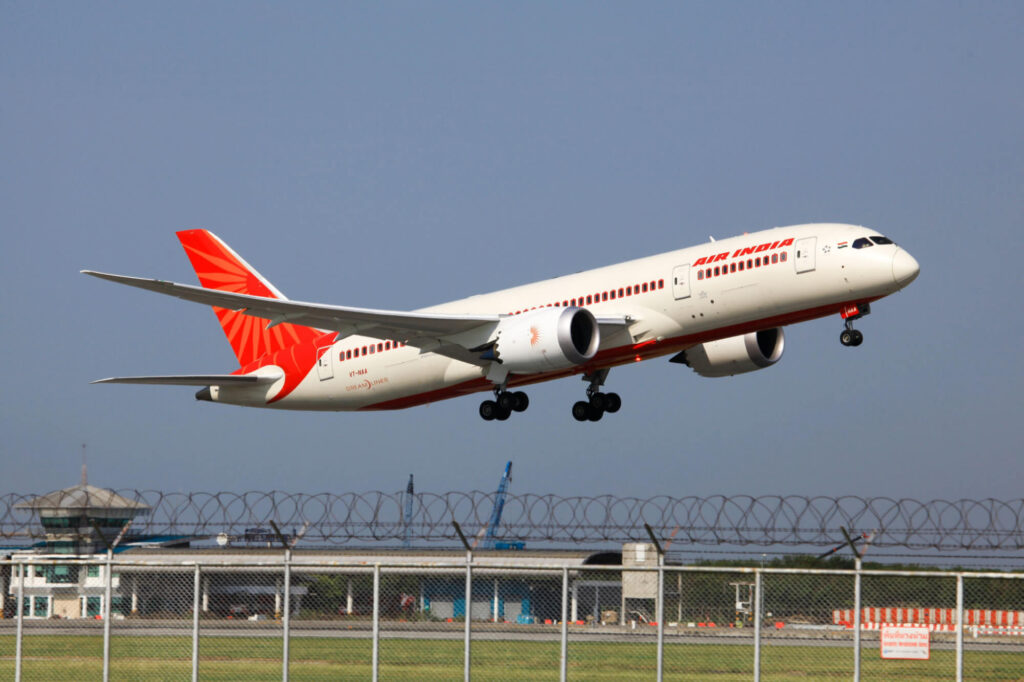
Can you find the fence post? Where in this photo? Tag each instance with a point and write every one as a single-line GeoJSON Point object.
{"type": "Point", "coordinates": [959, 627]}
{"type": "Point", "coordinates": [757, 624]}
{"type": "Point", "coordinates": [286, 623]}
{"type": "Point", "coordinates": [107, 591]}
{"type": "Point", "coordinates": [21, 616]}
{"type": "Point", "coordinates": [856, 620]}
{"type": "Point", "coordinates": [497, 600]}
{"type": "Point", "coordinates": [660, 615]}
{"type": "Point", "coordinates": [196, 589]}
{"type": "Point", "coordinates": [469, 611]}
{"type": "Point", "coordinates": [376, 623]}
{"type": "Point", "coordinates": [563, 661]}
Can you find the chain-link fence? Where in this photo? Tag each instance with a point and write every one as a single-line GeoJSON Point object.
{"type": "Point", "coordinates": [307, 619]}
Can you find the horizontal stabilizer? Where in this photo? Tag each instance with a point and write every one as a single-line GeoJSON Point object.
{"type": "Point", "coordinates": [195, 380]}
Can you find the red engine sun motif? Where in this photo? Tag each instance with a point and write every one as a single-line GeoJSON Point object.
{"type": "Point", "coordinates": [534, 336]}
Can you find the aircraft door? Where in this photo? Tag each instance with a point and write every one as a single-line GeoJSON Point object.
{"type": "Point", "coordinates": [804, 254]}
{"type": "Point", "coordinates": [681, 281]}
{"type": "Point", "coordinates": [325, 363]}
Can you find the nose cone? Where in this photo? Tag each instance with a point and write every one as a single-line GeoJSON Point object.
{"type": "Point", "coordinates": [904, 268]}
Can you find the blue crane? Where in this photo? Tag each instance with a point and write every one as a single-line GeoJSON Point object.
{"type": "Point", "coordinates": [495, 521]}
{"type": "Point", "coordinates": [407, 517]}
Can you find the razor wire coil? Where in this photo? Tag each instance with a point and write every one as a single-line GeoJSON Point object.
{"type": "Point", "coordinates": [741, 520]}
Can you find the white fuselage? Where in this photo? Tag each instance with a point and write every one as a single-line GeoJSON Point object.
{"type": "Point", "coordinates": [771, 278]}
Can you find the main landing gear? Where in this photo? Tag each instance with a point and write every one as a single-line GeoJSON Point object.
{"type": "Point", "coordinates": [504, 404]}
{"type": "Point", "coordinates": [597, 403]}
{"type": "Point", "coordinates": [850, 336]}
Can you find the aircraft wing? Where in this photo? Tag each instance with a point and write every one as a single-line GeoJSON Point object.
{"type": "Point", "coordinates": [433, 332]}
{"type": "Point", "coordinates": [342, 319]}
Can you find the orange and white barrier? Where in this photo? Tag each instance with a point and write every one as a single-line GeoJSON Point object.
{"type": "Point", "coordinates": [873, 617]}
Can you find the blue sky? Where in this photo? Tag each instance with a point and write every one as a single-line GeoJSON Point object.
{"type": "Point", "coordinates": [403, 154]}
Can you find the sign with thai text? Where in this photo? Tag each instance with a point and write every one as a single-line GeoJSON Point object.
{"type": "Point", "coordinates": [905, 641]}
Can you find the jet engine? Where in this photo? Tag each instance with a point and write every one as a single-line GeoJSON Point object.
{"type": "Point", "coordinates": [546, 339]}
{"type": "Point", "coordinates": [735, 355]}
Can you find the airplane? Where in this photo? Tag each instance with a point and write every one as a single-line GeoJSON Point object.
{"type": "Point", "coordinates": [719, 308]}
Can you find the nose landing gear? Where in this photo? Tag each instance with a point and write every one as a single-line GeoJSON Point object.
{"type": "Point", "coordinates": [850, 336]}
{"type": "Point", "coordinates": [597, 403]}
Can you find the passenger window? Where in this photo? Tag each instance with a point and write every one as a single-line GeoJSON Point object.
{"type": "Point", "coordinates": [604, 296]}
{"type": "Point", "coordinates": [750, 263]}
{"type": "Point", "coordinates": [741, 266]}
{"type": "Point", "coordinates": [661, 284]}
{"type": "Point", "coordinates": [783, 257]}
{"type": "Point", "coordinates": [862, 243]}
{"type": "Point", "coordinates": [775, 258]}
{"type": "Point", "coordinates": [387, 345]}
{"type": "Point", "coordinates": [620, 293]}
{"type": "Point", "coordinates": [380, 347]}
{"type": "Point", "coordinates": [716, 271]}
{"type": "Point", "coordinates": [590, 299]}
{"type": "Point", "coordinates": [732, 268]}
{"type": "Point", "coordinates": [348, 354]}
{"type": "Point", "coordinates": [613, 294]}
{"type": "Point", "coordinates": [629, 291]}
{"type": "Point", "coordinates": [364, 350]}
{"type": "Point", "coordinates": [645, 287]}
{"type": "Point", "coordinates": [700, 274]}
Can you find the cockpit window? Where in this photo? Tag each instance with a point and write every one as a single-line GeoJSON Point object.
{"type": "Point", "coordinates": [862, 243]}
{"type": "Point", "coordinates": [881, 241]}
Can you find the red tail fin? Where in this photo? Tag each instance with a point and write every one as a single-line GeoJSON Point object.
{"type": "Point", "coordinates": [218, 267]}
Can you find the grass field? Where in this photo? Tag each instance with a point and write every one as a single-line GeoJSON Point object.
{"type": "Point", "coordinates": [74, 657]}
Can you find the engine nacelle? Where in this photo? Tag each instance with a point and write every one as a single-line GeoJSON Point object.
{"type": "Point", "coordinates": [546, 339]}
{"type": "Point", "coordinates": [735, 355]}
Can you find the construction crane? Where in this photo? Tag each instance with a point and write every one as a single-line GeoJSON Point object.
{"type": "Point", "coordinates": [407, 517]}
{"type": "Point", "coordinates": [499, 505]}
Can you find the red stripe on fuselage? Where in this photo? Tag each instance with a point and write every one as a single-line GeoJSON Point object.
{"type": "Point", "coordinates": [622, 355]}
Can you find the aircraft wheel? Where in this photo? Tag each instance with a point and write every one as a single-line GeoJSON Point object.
{"type": "Point", "coordinates": [506, 401]}
{"type": "Point", "coordinates": [612, 402]}
{"type": "Point", "coordinates": [858, 338]}
{"type": "Point", "coordinates": [846, 337]}
{"type": "Point", "coordinates": [488, 410]}
{"type": "Point", "coordinates": [502, 414]}
{"type": "Point", "coordinates": [598, 401]}
{"type": "Point", "coordinates": [594, 414]}
{"type": "Point", "coordinates": [581, 411]}
{"type": "Point", "coordinates": [520, 401]}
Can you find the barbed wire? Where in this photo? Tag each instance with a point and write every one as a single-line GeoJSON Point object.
{"type": "Point", "coordinates": [742, 520]}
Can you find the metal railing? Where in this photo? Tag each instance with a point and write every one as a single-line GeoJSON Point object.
{"type": "Point", "coordinates": [316, 619]}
